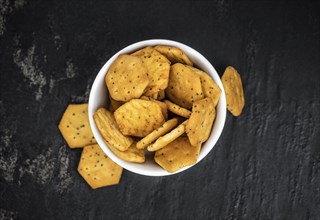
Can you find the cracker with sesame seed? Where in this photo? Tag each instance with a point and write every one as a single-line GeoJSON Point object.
{"type": "Point", "coordinates": [109, 130]}
{"type": "Point", "coordinates": [74, 126]}
{"type": "Point", "coordinates": [199, 124]}
{"type": "Point", "coordinates": [155, 134]}
{"type": "Point", "coordinates": [232, 84]}
{"type": "Point", "coordinates": [139, 117]}
{"type": "Point", "coordinates": [97, 169]}
{"type": "Point", "coordinates": [132, 154]}
{"type": "Point", "coordinates": [162, 105]}
{"type": "Point", "coordinates": [158, 67]}
{"type": "Point", "coordinates": [209, 87]}
{"type": "Point", "coordinates": [174, 54]}
{"type": "Point", "coordinates": [177, 154]}
{"type": "Point", "coordinates": [184, 86]}
{"type": "Point", "coordinates": [127, 78]}
{"type": "Point", "coordinates": [168, 138]}
{"type": "Point", "coordinates": [177, 109]}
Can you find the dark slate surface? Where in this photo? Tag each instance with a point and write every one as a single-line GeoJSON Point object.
{"type": "Point", "coordinates": [266, 165]}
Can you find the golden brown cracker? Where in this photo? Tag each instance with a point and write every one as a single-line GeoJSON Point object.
{"type": "Point", "coordinates": [174, 54]}
{"type": "Point", "coordinates": [114, 105]}
{"type": "Point", "coordinates": [139, 117]}
{"type": "Point", "coordinates": [167, 138]}
{"type": "Point", "coordinates": [97, 169]}
{"type": "Point", "coordinates": [177, 154]}
{"type": "Point", "coordinates": [177, 109]}
{"type": "Point", "coordinates": [127, 78]}
{"type": "Point", "coordinates": [161, 94]}
{"type": "Point", "coordinates": [162, 105]}
{"type": "Point", "coordinates": [75, 127]}
{"type": "Point", "coordinates": [155, 134]}
{"type": "Point", "coordinates": [158, 67]}
{"type": "Point", "coordinates": [184, 86]}
{"type": "Point", "coordinates": [199, 125]}
{"type": "Point", "coordinates": [132, 154]}
{"type": "Point", "coordinates": [209, 87]}
{"type": "Point", "coordinates": [232, 84]}
{"type": "Point", "coordinates": [109, 130]}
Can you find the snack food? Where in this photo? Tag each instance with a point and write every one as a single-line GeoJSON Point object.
{"type": "Point", "coordinates": [158, 67]}
{"type": "Point", "coordinates": [174, 54]}
{"type": "Point", "coordinates": [139, 117]}
{"type": "Point", "coordinates": [109, 130]}
{"type": "Point", "coordinates": [127, 78]}
{"type": "Point", "coordinates": [167, 138]}
{"type": "Point", "coordinates": [200, 122]}
{"type": "Point", "coordinates": [177, 109]}
{"type": "Point", "coordinates": [232, 84]}
{"type": "Point", "coordinates": [184, 86]}
{"type": "Point", "coordinates": [209, 87]}
{"type": "Point", "coordinates": [97, 169]}
{"type": "Point", "coordinates": [155, 134]}
{"type": "Point", "coordinates": [177, 154]}
{"type": "Point", "coordinates": [132, 154]}
{"type": "Point", "coordinates": [74, 126]}
{"type": "Point", "coordinates": [174, 85]}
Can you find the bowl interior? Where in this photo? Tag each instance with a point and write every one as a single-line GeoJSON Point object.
{"type": "Point", "coordinates": [99, 98]}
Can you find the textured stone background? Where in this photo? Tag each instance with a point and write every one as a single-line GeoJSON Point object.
{"type": "Point", "coordinates": [266, 165]}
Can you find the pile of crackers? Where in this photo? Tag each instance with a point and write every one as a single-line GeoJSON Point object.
{"type": "Point", "coordinates": [159, 102]}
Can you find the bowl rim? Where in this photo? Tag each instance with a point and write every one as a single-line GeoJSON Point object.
{"type": "Point", "coordinates": [195, 57]}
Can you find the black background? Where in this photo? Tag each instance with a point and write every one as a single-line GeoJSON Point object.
{"type": "Point", "coordinates": [266, 164]}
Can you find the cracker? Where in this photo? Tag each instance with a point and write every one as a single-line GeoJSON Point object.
{"type": "Point", "coordinates": [174, 54]}
{"type": "Point", "coordinates": [177, 154]}
{"type": "Point", "coordinates": [209, 87]}
{"type": "Point", "coordinates": [74, 126]}
{"type": "Point", "coordinates": [232, 84]}
{"type": "Point", "coordinates": [158, 67]}
{"type": "Point", "coordinates": [161, 94]}
{"type": "Point", "coordinates": [139, 117]}
{"type": "Point", "coordinates": [97, 169]}
{"type": "Point", "coordinates": [127, 78]}
{"type": "Point", "coordinates": [177, 109]}
{"type": "Point", "coordinates": [200, 122]}
{"type": "Point", "coordinates": [167, 138]}
{"type": "Point", "coordinates": [114, 105]}
{"type": "Point", "coordinates": [155, 134]}
{"type": "Point", "coordinates": [184, 86]}
{"type": "Point", "coordinates": [162, 105]}
{"type": "Point", "coordinates": [132, 154]}
{"type": "Point", "coordinates": [110, 131]}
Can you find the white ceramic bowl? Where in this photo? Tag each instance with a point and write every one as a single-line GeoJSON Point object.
{"type": "Point", "coordinates": [99, 98]}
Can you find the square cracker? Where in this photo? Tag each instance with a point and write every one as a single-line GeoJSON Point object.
{"type": "Point", "coordinates": [110, 131]}
{"type": "Point", "coordinates": [184, 86]}
{"type": "Point", "coordinates": [97, 169]}
{"type": "Point", "coordinates": [177, 154]}
{"type": "Point", "coordinates": [199, 124]}
{"type": "Point", "coordinates": [74, 126]}
{"type": "Point", "coordinates": [174, 54]}
{"type": "Point", "coordinates": [127, 78]}
{"type": "Point", "coordinates": [139, 117]}
{"type": "Point", "coordinates": [232, 84]}
{"type": "Point", "coordinates": [158, 67]}
{"type": "Point", "coordinates": [209, 87]}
